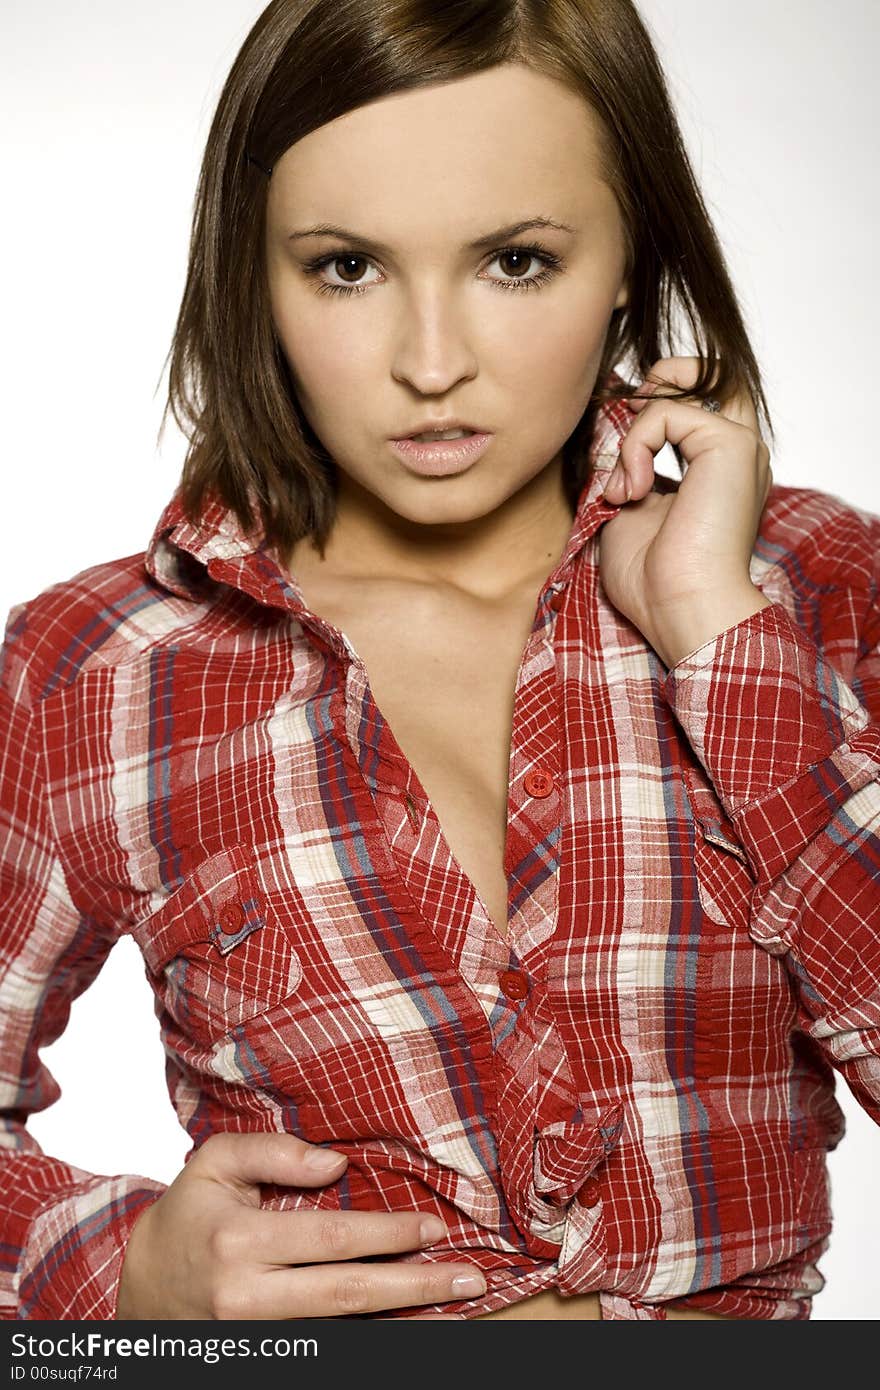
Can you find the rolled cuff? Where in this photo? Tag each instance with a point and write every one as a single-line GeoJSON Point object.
{"type": "Point", "coordinates": [71, 1263]}
{"type": "Point", "coordinates": [781, 735]}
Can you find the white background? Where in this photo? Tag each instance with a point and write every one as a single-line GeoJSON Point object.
{"type": "Point", "coordinates": [105, 109]}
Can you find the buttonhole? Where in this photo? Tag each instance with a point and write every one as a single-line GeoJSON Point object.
{"type": "Point", "coordinates": [412, 811]}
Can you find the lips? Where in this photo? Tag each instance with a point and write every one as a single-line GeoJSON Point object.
{"type": "Point", "coordinates": [441, 458]}
{"type": "Point", "coordinates": [441, 436]}
{"type": "Point", "coordinates": [438, 426]}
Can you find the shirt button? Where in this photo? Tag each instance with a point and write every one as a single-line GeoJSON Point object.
{"type": "Point", "coordinates": [590, 1194]}
{"type": "Point", "coordinates": [538, 783]}
{"type": "Point", "coordinates": [232, 917]}
{"type": "Point", "coordinates": [556, 600]}
{"type": "Point", "coordinates": [513, 984]}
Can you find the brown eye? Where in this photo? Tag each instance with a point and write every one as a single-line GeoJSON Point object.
{"type": "Point", "coordinates": [349, 266]}
{"type": "Point", "coordinates": [515, 259]}
{"type": "Point", "coordinates": [349, 262]}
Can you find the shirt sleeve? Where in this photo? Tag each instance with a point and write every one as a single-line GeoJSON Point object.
{"type": "Point", "coordinates": [794, 757]}
{"type": "Point", "coordinates": [62, 1230]}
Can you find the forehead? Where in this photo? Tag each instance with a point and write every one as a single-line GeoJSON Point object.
{"type": "Point", "coordinates": [490, 139]}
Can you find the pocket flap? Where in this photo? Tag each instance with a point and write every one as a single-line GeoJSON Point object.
{"type": "Point", "coordinates": [221, 902]}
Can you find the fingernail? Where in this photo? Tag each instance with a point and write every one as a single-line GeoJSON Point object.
{"type": "Point", "coordinates": [324, 1160]}
{"type": "Point", "coordinates": [468, 1285]}
{"type": "Point", "coordinates": [431, 1228]}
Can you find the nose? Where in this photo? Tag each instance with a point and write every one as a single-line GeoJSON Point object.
{"type": "Point", "coordinates": [434, 343]}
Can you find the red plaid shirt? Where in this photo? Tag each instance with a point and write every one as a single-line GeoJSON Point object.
{"type": "Point", "coordinates": [635, 1094]}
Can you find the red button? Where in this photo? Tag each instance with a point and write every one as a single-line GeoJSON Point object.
{"type": "Point", "coordinates": [232, 917]}
{"type": "Point", "coordinates": [538, 783]}
{"type": "Point", "coordinates": [557, 600]}
{"type": "Point", "coordinates": [513, 984]}
{"type": "Point", "coordinates": [590, 1194]}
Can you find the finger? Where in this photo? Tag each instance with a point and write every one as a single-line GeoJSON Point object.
{"type": "Point", "coordinates": [242, 1160]}
{"type": "Point", "coordinates": [629, 483]}
{"type": "Point", "coordinates": [653, 390]}
{"type": "Point", "coordinates": [645, 393]}
{"type": "Point", "coordinates": [676, 374]}
{"type": "Point", "coordinates": [671, 374]}
{"type": "Point", "coordinates": [743, 416]}
{"type": "Point", "coordinates": [345, 1290]}
{"type": "Point", "coordinates": [618, 487]}
{"type": "Point", "coordinates": [695, 432]}
{"type": "Point", "coordinates": [312, 1237]}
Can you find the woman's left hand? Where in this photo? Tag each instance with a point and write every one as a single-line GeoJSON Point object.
{"type": "Point", "coordinates": [677, 564]}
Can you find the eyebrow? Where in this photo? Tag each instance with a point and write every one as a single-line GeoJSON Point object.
{"type": "Point", "coordinates": [327, 229]}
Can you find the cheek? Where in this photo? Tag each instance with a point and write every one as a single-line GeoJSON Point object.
{"type": "Point", "coordinates": [554, 361]}
{"type": "Point", "coordinates": [575, 339]}
{"type": "Point", "coordinates": [325, 361]}
{"type": "Point", "coordinates": [333, 354]}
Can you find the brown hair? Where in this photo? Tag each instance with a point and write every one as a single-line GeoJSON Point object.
{"type": "Point", "coordinates": [306, 62]}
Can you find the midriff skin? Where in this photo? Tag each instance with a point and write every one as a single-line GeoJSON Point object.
{"type": "Point", "coordinates": [549, 1304]}
{"type": "Point", "coordinates": [430, 654]}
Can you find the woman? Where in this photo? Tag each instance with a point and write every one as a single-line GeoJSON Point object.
{"type": "Point", "coordinates": [496, 830]}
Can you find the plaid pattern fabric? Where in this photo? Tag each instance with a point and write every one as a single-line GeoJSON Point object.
{"type": "Point", "coordinates": [634, 1094]}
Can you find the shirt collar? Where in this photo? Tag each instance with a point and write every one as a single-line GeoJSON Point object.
{"type": "Point", "coordinates": [182, 553]}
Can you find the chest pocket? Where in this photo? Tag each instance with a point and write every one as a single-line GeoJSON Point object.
{"type": "Point", "coordinates": [215, 951]}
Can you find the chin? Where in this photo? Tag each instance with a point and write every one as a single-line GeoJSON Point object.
{"type": "Point", "coordinates": [437, 509]}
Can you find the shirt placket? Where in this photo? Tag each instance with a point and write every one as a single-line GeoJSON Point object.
{"type": "Point", "coordinates": [492, 963]}
{"type": "Point", "coordinates": [549, 1145]}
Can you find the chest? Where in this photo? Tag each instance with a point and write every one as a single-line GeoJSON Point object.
{"type": "Point", "coordinates": [444, 681]}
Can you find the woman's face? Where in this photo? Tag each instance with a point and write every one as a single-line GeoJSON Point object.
{"type": "Point", "coordinates": [441, 328]}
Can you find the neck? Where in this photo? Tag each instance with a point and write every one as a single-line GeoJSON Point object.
{"type": "Point", "coordinates": [486, 556]}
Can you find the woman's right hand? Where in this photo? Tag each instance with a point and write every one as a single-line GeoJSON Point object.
{"type": "Point", "coordinates": [207, 1250]}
